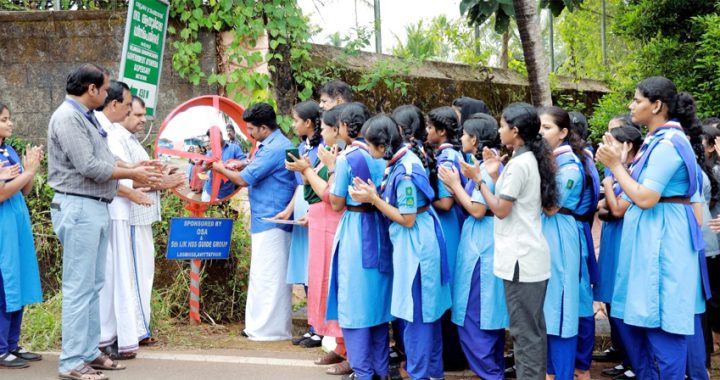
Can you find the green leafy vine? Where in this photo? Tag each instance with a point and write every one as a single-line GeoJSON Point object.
{"type": "Point", "coordinates": [288, 32]}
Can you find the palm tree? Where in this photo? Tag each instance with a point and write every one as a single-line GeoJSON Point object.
{"type": "Point", "coordinates": [525, 13]}
{"type": "Point", "coordinates": [533, 51]}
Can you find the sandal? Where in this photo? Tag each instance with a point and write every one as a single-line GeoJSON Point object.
{"type": "Point", "coordinates": [342, 368]}
{"type": "Point", "coordinates": [331, 357]}
{"type": "Point", "coordinates": [83, 372]}
{"type": "Point", "coordinates": [104, 362]}
{"type": "Point", "coordinates": [149, 341]}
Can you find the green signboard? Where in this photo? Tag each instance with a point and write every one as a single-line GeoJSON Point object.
{"type": "Point", "coordinates": [141, 62]}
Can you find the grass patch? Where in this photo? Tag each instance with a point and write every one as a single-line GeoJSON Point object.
{"type": "Point", "coordinates": [41, 327]}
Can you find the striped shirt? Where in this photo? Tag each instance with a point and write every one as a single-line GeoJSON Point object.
{"type": "Point", "coordinates": [79, 160]}
{"type": "Point", "coordinates": [141, 215]}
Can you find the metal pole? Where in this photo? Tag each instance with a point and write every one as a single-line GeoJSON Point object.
{"type": "Point", "coordinates": [477, 39]}
{"type": "Point", "coordinates": [603, 31]}
{"type": "Point", "coordinates": [378, 28]}
{"type": "Point", "coordinates": [552, 43]}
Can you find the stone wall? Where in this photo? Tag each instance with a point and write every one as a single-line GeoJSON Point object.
{"type": "Point", "coordinates": [38, 50]}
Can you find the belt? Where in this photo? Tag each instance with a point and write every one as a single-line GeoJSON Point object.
{"type": "Point", "coordinates": [579, 218]}
{"type": "Point", "coordinates": [422, 209]}
{"type": "Point", "coordinates": [99, 199]}
{"type": "Point", "coordinates": [489, 212]}
{"type": "Point", "coordinates": [362, 208]}
{"type": "Point", "coordinates": [677, 200]}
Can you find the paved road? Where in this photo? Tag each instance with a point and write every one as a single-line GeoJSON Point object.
{"type": "Point", "coordinates": [190, 366]}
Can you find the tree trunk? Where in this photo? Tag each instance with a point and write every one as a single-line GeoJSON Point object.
{"type": "Point", "coordinates": [505, 52]}
{"type": "Point", "coordinates": [537, 65]}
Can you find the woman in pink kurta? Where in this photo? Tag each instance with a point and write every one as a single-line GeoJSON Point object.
{"type": "Point", "coordinates": [322, 224]}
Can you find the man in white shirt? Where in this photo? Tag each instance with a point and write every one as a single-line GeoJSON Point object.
{"type": "Point", "coordinates": [120, 330]}
{"type": "Point", "coordinates": [142, 217]}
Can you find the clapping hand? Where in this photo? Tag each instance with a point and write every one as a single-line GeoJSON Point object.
{"type": "Point", "coordinates": [9, 172]}
{"type": "Point", "coordinates": [363, 192]}
{"type": "Point", "coordinates": [450, 177]}
{"type": "Point", "coordinates": [471, 170]}
{"type": "Point", "coordinates": [328, 157]}
{"type": "Point", "coordinates": [33, 157]}
{"type": "Point", "coordinates": [298, 164]}
{"type": "Point", "coordinates": [608, 152]}
{"type": "Point", "coordinates": [492, 162]}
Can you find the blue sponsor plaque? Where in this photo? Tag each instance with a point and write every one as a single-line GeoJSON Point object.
{"type": "Point", "coordinates": [199, 238]}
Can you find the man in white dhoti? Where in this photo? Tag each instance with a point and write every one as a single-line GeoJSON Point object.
{"type": "Point", "coordinates": [142, 218]}
{"type": "Point", "coordinates": [268, 312]}
{"type": "Point", "coordinates": [120, 331]}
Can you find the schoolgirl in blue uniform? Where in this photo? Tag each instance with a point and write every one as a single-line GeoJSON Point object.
{"type": "Point", "coordinates": [563, 236]}
{"type": "Point", "coordinates": [19, 274]}
{"type": "Point", "coordinates": [611, 211]}
{"type": "Point", "coordinates": [584, 215]}
{"type": "Point", "coordinates": [361, 268]}
{"type": "Point", "coordinates": [443, 137]}
{"type": "Point", "coordinates": [479, 308]}
{"type": "Point", "coordinates": [421, 286]}
{"type": "Point", "coordinates": [411, 122]}
{"type": "Point", "coordinates": [658, 285]}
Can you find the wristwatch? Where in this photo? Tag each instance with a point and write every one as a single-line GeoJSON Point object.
{"type": "Point", "coordinates": [479, 184]}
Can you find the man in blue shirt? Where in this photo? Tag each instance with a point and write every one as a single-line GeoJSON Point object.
{"type": "Point", "coordinates": [229, 152]}
{"type": "Point", "coordinates": [268, 312]}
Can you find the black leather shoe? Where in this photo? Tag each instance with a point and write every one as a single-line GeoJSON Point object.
{"type": "Point", "coordinates": [9, 360]}
{"type": "Point", "coordinates": [510, 359]}
{"type": "Point", "coordinates": [510, 373]}
{"type": "Point", "coordinates": [311, 342]}
{"type": "Point", "coordinates": [627, 375]}
{"type": "Point", "coordinates": [609, 355]}
{"type": "Point", "coordinates": [296, 341]}
{"type": "Point", "coordinates": [351, 376]}
{"type": "Point", "coordinates": [27, 355]}
{"type": "Point", "coordinates": [614, 371]}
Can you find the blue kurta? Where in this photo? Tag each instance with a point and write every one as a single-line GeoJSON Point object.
{"type": "Point", "coordinates": [299, 245]}
{"type": "Point", "coordinates": [357, 297]}
{"type": "Point", "coordinates": [451, 220]}
{"type": "Point", "coordinates": [18, 263]}
{"type": "Point", "coordinates": [477, 247]}
{"type": "Point", "coordinates": [563, 237]}
{"type": "Point", "coordinates": [416, 247]}
{"type": "Point", "coordinates": [658, 275]}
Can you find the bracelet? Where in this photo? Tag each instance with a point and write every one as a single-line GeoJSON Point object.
{"type": "Point", "coordinates": [330, 172]}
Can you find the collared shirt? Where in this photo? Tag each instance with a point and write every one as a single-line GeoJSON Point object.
{"type": "Point", "coordinates": [518, 236]}
{"type": "Point", "coordinates": [79, 160]}
{"type": "Point", "coordinates": [271, 186]}
{"type": "Point", "coordinates": [142, 215]}
{"type": "Point", "coordinates": [120, 207]}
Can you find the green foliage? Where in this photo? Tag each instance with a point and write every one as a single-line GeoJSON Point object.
{"type": "Point", "coordinates": [678, 40]}
{"type": "Point", "coordinates": [581, 52]}
{"type": "Point", "coordinates": [288, 32]}
{"type": "Point", "coordinates": [388, 72]}
{"type": "Point", "coordinates": [42, 324]}
{"type": "Point", "coordinates": [479, 11]}
{"type": "Point", "coordinates": [444, 40]}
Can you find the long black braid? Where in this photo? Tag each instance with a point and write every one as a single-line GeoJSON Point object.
{"type": "Point", "coordinates": [310, 110]}
{"type": "Point", "coordinates": [354, 115]}
{"type": "Point", "coordinates": [412, 126]}
{"type": "Point", "coordinates": [443, 119]}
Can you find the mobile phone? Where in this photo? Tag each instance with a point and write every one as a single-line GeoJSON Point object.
{"type": "Point", "coordinates": [292, 151]}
